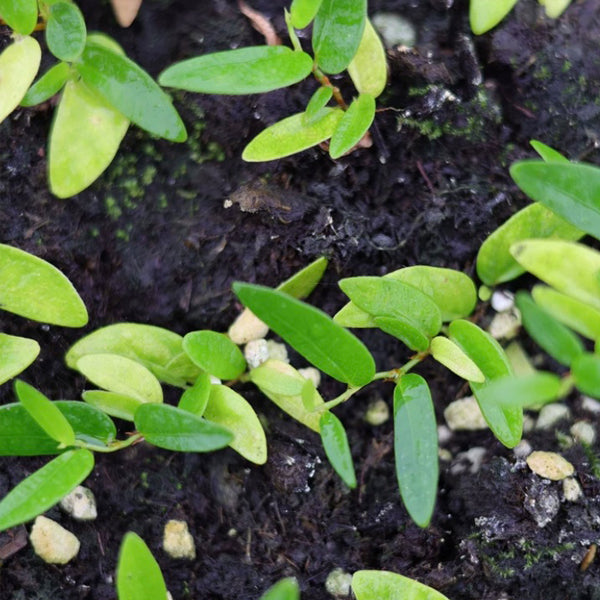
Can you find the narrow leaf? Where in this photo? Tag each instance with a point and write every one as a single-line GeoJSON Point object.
{"type": "Point", "coordinates": [353, 125]}
{"type": "Point", "coordinates": [416, 447]}
{"type": "Point", "coordinates": [317, 102]}
{"type": "Point", "coordinates": [311, 332]}
{"type": "Point", "coordinates": [302, 283]}
{"type": "Point", "coordinates": [368, 68]}
{"type": "Point", "coordinates": [524, 392]}
{"type": "Point", "coordinates": [17, 354]}
{"type": "Point", "coordinates": [20, 15]}
{"type": "Point", "coordinates": [252, 70]}
{"type": "Point", "coordinates": [485, 15]}
{"type": "Point", "coordinates": [302, 12]}
{"type": "Point", "coordinates": [90, 424]}
{"type": "Point", "coordinates": [214, 353]}
{"type": "Point", "coordinates": [586, 374]}
{"type": "Point", "coordinates": [50, 83]}
{"type": "Point", "coordinates": [337, 449]}
{"type": "Point", "coordinates": [171, 428]}
{"type": "Point", "coordinates": [369, 585]}
{"type": "Point", "coordinates": [44, 488]}
{"type": "Point", "coordinates": [449, 354]}
{"type": "Point", "coordinates": [195, 399]}
{"type": "Point", "coordinates": [268, 377]}
{"type": "Point", "coordinates": [548, 154]}
{"type": "Point", "coordinates": [65, 31]}
{"type": "Point", "coordinates": [138, 573]}
{"type": "Point", "coordinates": [284, 589]}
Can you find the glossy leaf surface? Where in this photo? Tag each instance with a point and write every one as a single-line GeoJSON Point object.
{"type": "Point", "coordinates": [17, 354]}
{"type": "Point", "coordinates": [50, 83]}
{"type": "Point", "coordinates": [195, 399]}
{"type": "Point", "coordinates": [138, 574]}
{"type": "Point", "coordinates": [368, 68]}
{"type": "Point", "coordinates": [495, 262]}
{"type": "Point", "coordinates": [302, 12]}
{"type": "Point", "coordinates": [337, 33]}
{"type": "Point", "coordinates": [86, 134]}
{"type": "Point", "coordinates": [214, 353]}
{"type": "Point", "coordinates": [528, 391]}
{"type": "Point", "coordinates": [121, 375]}
{"type": "Point", "coordinates": [117, 405]}
{"type": "Point", "coordinates": [252, 70]}
{"type": "Point", "coordinates": [302, 283]}
{"type": "Point", "coordinates": [65, 31]}
{"type": "Point", "coordinates": [230, 410]}
{"type": "Point", "coordinates": [416, 447]}
{"type": "Point", "coordinates": [90, 424]}
{"type": "Point", "coordinates": [19, 63]}
{"type": "Point", "coordinates": [551, 335]}
{"type": "Point", "coordinates": [317, 102]}
{"type": "Point", "coordinates": [337, 449]}
{"type": "Point", "coordinates": [34, 289]}
{"type": "Point", "coordinates": [45, 414]}
{"type": "Point", "coordinates": [384, 585]}
{"type": "Point", "coordinates": [586, 374]}
{"type": "Point", "coordinates": [569, 267]}
{"type": "Point", "coordinates": [44, 488]}
{"type": "Point", "coordinates": [404, 330]}
{"type": "Point", "coordinates": [571, 190]}
{"type": "Point", "coordinates": [171, 428]}
{"type": "Point", "coordinates": [449, 354]}
{"type": "Point", "coordinates": [158, 349]}
{"type": "Point", "coordinates": [311, 332]}
{"type": "Point", "coordinates": [547, 153]}
{"type": "Point", "coordinates": [485, 15]}
{"type": "Point", "coordinates": [353, 125]}
{"type": "Point", "coordinates": [20, 15]}
{"type": "Point", "coordinates": [284, 589]}
{"type": "Point", "coordinates": [130, 90]}
{"type": "Point", "coordinates": [291, 135]}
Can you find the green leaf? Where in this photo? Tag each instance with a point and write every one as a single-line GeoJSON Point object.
{"type": "Point", "coordinates": [85, 136]}
{"type": "Point", "coordinates": [130, 90]}
{"type": "Point", "coordinates": [569, 267]}
{"type": "Point", "coordinates": [525, 392]}
{"type": "Point", "coordinates": [214, 353]}
{"type": "Point", "coordinates": [548, 154]}
{"type": "Point", "coordinates": [228, 409]}
{"type": "Point", "coordinates": [449, 354]}
{"type": "Point", "coordinates": [337, 449]}
{"type": "Point", "coordinates": [337, 33]}
{"type": "Point", "coordinates": [368, 69]}
{"type": "Point", "coordinates": [252, 70]}
{"type": "Point", "coordinates": [44, 488]}
{"type": "Point", "coordinates": [585, 370]}
{"type": "Point", "coordinates": [105, 41]}
{"type": "Point", "coordinates": [353, 125]}
{"type": "Point", "coordinates": [17, 354]}
{"type": "Point", "coordinates": [571, 190]}
{"type": "Point", "coordinates": [311, 332]}
{"type": "Point", "coordinates": [577, 315]}
{"type": "Point", "coordinates": [45, 414]}
{"type": "Point", "coordinates": [555, 8]}
{"type": "Point", "coordinates": [416, 447]}
{"type": "Point", "coordinates": [506, 422]}
{"type": "Point", "coordinates": [404, 330]}
{"type": "Point", "coordinates": [302, 283]}
{"type": "Point", "coordinates": [171, 428]}
{"type": "Point", "coordinates": [90, 424]}
{"type": "Point", "coordinates": [20, 15]}
{"type": "Point", "coordinates": [302, 12]}
{"type": "Point", "coordinates": [284, 589]}
{"type": "Point", "coordinates": [496, 264]}
{"type": "Point", "coordinates": [384, 585]}
{"type": "Point", "coordinates": [317, 102]}
{"type": "Point", "coordinates": [285, 387]}
{"type": "Point", "coordinates": [65, 31]}
{"type": "Point", "coordinates": [50, 83]}
{"type": "Point", "coordinates": [551, 335]}
{"type": "Point", "coordinates": [121, 375]}
{"type": "Point", "coordinates": [19, 64]}
{"type": "Point", "coordinates": [117, 405]}
{"type": "Point", "coordinates": [158, 349]}
{"type": "Point", "coordinates": [292, 135]}
{"type": "Point", "coordinates": [485, 15]}
{"type": "Point", "coordinates": [138, 574]}
{"type": "Point", "coordinates": [195, 399]}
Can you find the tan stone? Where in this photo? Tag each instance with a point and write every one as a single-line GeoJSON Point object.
{"type": "Point", "coordinates": [550, 465]}
{"type": "Point", "coordinates": [178, 541]}
{"type": "Point", "coordinates": [52, 542]}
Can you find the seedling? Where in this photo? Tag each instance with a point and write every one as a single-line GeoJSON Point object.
{"type": "Point", "coordinates": [342, 39]}
{"type": "Point", "coordinates": [103, 91]}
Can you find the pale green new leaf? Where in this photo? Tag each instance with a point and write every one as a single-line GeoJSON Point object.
{"type": "Point", "coordinates": [352, 126]}
{"type": "Point", "coordinates": [486, 14]}
{"type": "Point", "coordinates": [85, 136]}
{"type": "Point", "coordinates": [531, 390]}
{"type": "Point", "coordinates": [252, 70]}
{"type": "Point", "coordinates": [302, 12]}
{"type": "Point", "coordinates": [449, 354]}
{"type": "Point", "coordinates": [195, 398]}
{"type": "Point", "coordinates": [116, 405]}
{"type": "Point", "coordinates": [547, 153]}
{"type": "Point", "coordinates": [384, 585]}
{"type": "Point", "coordinates": [291, 135]}
{"type": "Point", "coordinates": [302, 283]}
{"type": "Point", "coordinates": [44, 488]}
{"type": "Point", "coordinates": [17, 354]}
{"type": "Point", "coordinates": [368, 69]}
{"type": "Point", "coordinates": [555, 8]}
{"type": "Point", "coordinates": [214, 353]}
{"type": "Point", "coordinates": [20, 15]}
{"type": "Point", "coordinates": [268, 377]}
{"type": "Point", "coordinates": [34, 289]}
{"type": "Point", "coordinates": [19, 64]}
{"type": "Point", "coordinates": [230, 410]}
{"type": "Point", "coordinates": [337, 449]}
{"type": "Point", "coordinates": [284, 589]}
{"type": "Point", "coordinates": [50, 83]}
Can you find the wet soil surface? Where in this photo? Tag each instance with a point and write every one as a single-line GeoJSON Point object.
{"type": "Point", "coordinates": [152, 242]}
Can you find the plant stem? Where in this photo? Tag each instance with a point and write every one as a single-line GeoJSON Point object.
{"type": "Point", "coordinates": [116, 445]}
{"type": "Point", "coordinates": [324, 80]}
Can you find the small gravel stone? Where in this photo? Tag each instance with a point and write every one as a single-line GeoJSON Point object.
{"type": "Point", "coordinates": [278, 351]}
{"type": "Point", "coordinates": [471, 461]}
{"type": "Point", "coordinates": [522, 449]}
{"type": "Point", "coordinates": [571, 489]}
{"type": "Point", "coordinates": [394, 29]}
{"type": "Point", "coordinates": [464, 414]}
{"type": "Point", "coordinates": [550, 465]}
{"type": "Point", "coordinates": [551, 414]}
{"type": "Point", "coordinates": [542, 502]}
{"type": "Point", "coordinates": [584, 432]}
{"type": "Point", "coordinates": [444, 434]}
{"type": "Point", "coordinates": [590, 405]}
{"type": "Point", "coordinates": [80, 504]}
{"type": "Point", "coordinates": [528, 424]}
{"type": "Point", "coordinates": [256, 352]}
{"type": "Point", "coordinates": [247, 327]}
{"type": "Point", "coordinates": [505, 325]}
{"type": "Point", "coordinates": [502, 300]}
{"type": "Point", "coordinates": [338, 583]}
{"type": "Point", "coordinates": [444, 454]}
{"type": "Point", "coordinates": [178, 541]}
{"type": "Point", "coordinates": [311, 373]}
{"type": "Point", "coordinates": [52, 542]}
{"type": "Point", "coordinates": [377, 413]}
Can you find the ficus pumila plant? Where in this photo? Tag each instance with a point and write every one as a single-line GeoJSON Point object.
{"type": "Point", "coordinates": [103, 91]}
{"type": "Point", "coordinates": [343, 39]}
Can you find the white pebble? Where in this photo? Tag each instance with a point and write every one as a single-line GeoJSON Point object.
{"type": "Point", "coordinates": [591, 405]}
{"type": "Point", "coordinates": [278, 351]}
{"type": "Point", "coordinates": [80, 504]}
{"type": "Point", "coordinates": [502, 300]}
{"type": "Point", "coordinates": [528, 424]}
{"type": "Point", "coordinates": [444, 455]}
{"type": "Point", "coordinates": [471, 461]}
{"type": "Point", "coordinates": [247, 327]}
{"type": "Point", "coordinates": [464, 414]}
{"type": "Point", "coordinates": [584, 432]}
{"type": "Point", "coordinates": [311, 373]}
{"type": "Point", "coordinates": [522, 449]}
{"type": "Point", "coordinates": [338, 583]}
{"type": "Point", "coordinates": [378, 412]}
{"type": "Point", "coordinates": [550, 465]}
{"type": "Point", "coordinates": [178, 541]}
{"type": "Point", "coordinates": [444, 434]}
{"type": "Point", "coordinates": [505, 325]}
{"type": "Point", "coordinates": [256, 352]}
{"type": "Point", "coordinates": [571, 489]}
{"type": "Point", "coordinates": [52, 542]}
{"type": "Point", "coordinates": [551, 414]}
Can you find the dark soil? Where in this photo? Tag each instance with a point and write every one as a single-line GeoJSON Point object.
{"type": "Point", "coordinates": [152, 242]}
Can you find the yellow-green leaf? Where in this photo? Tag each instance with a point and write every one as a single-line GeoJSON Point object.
{"type": "Point", "coordinates": [486, 14]}
{"type": "Point", "coordinates": [449, 354]}
{"type": "Point", "coordinates": [368, 68]}
{"type": "Point", "coordinates": [20, 15]}
{"type": "Point", "coordinates": [17, 354]}
{"type": "Point", "coordinates": [302, 12]}
{"type": "Point", "coordinates": [116, 405]}
{"type": "Point", "coordinates": [353, 125]}
{"type": "Point", "coordinates": [384, 585]}
{"type": "Point", "coordinates": [555, 8]}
